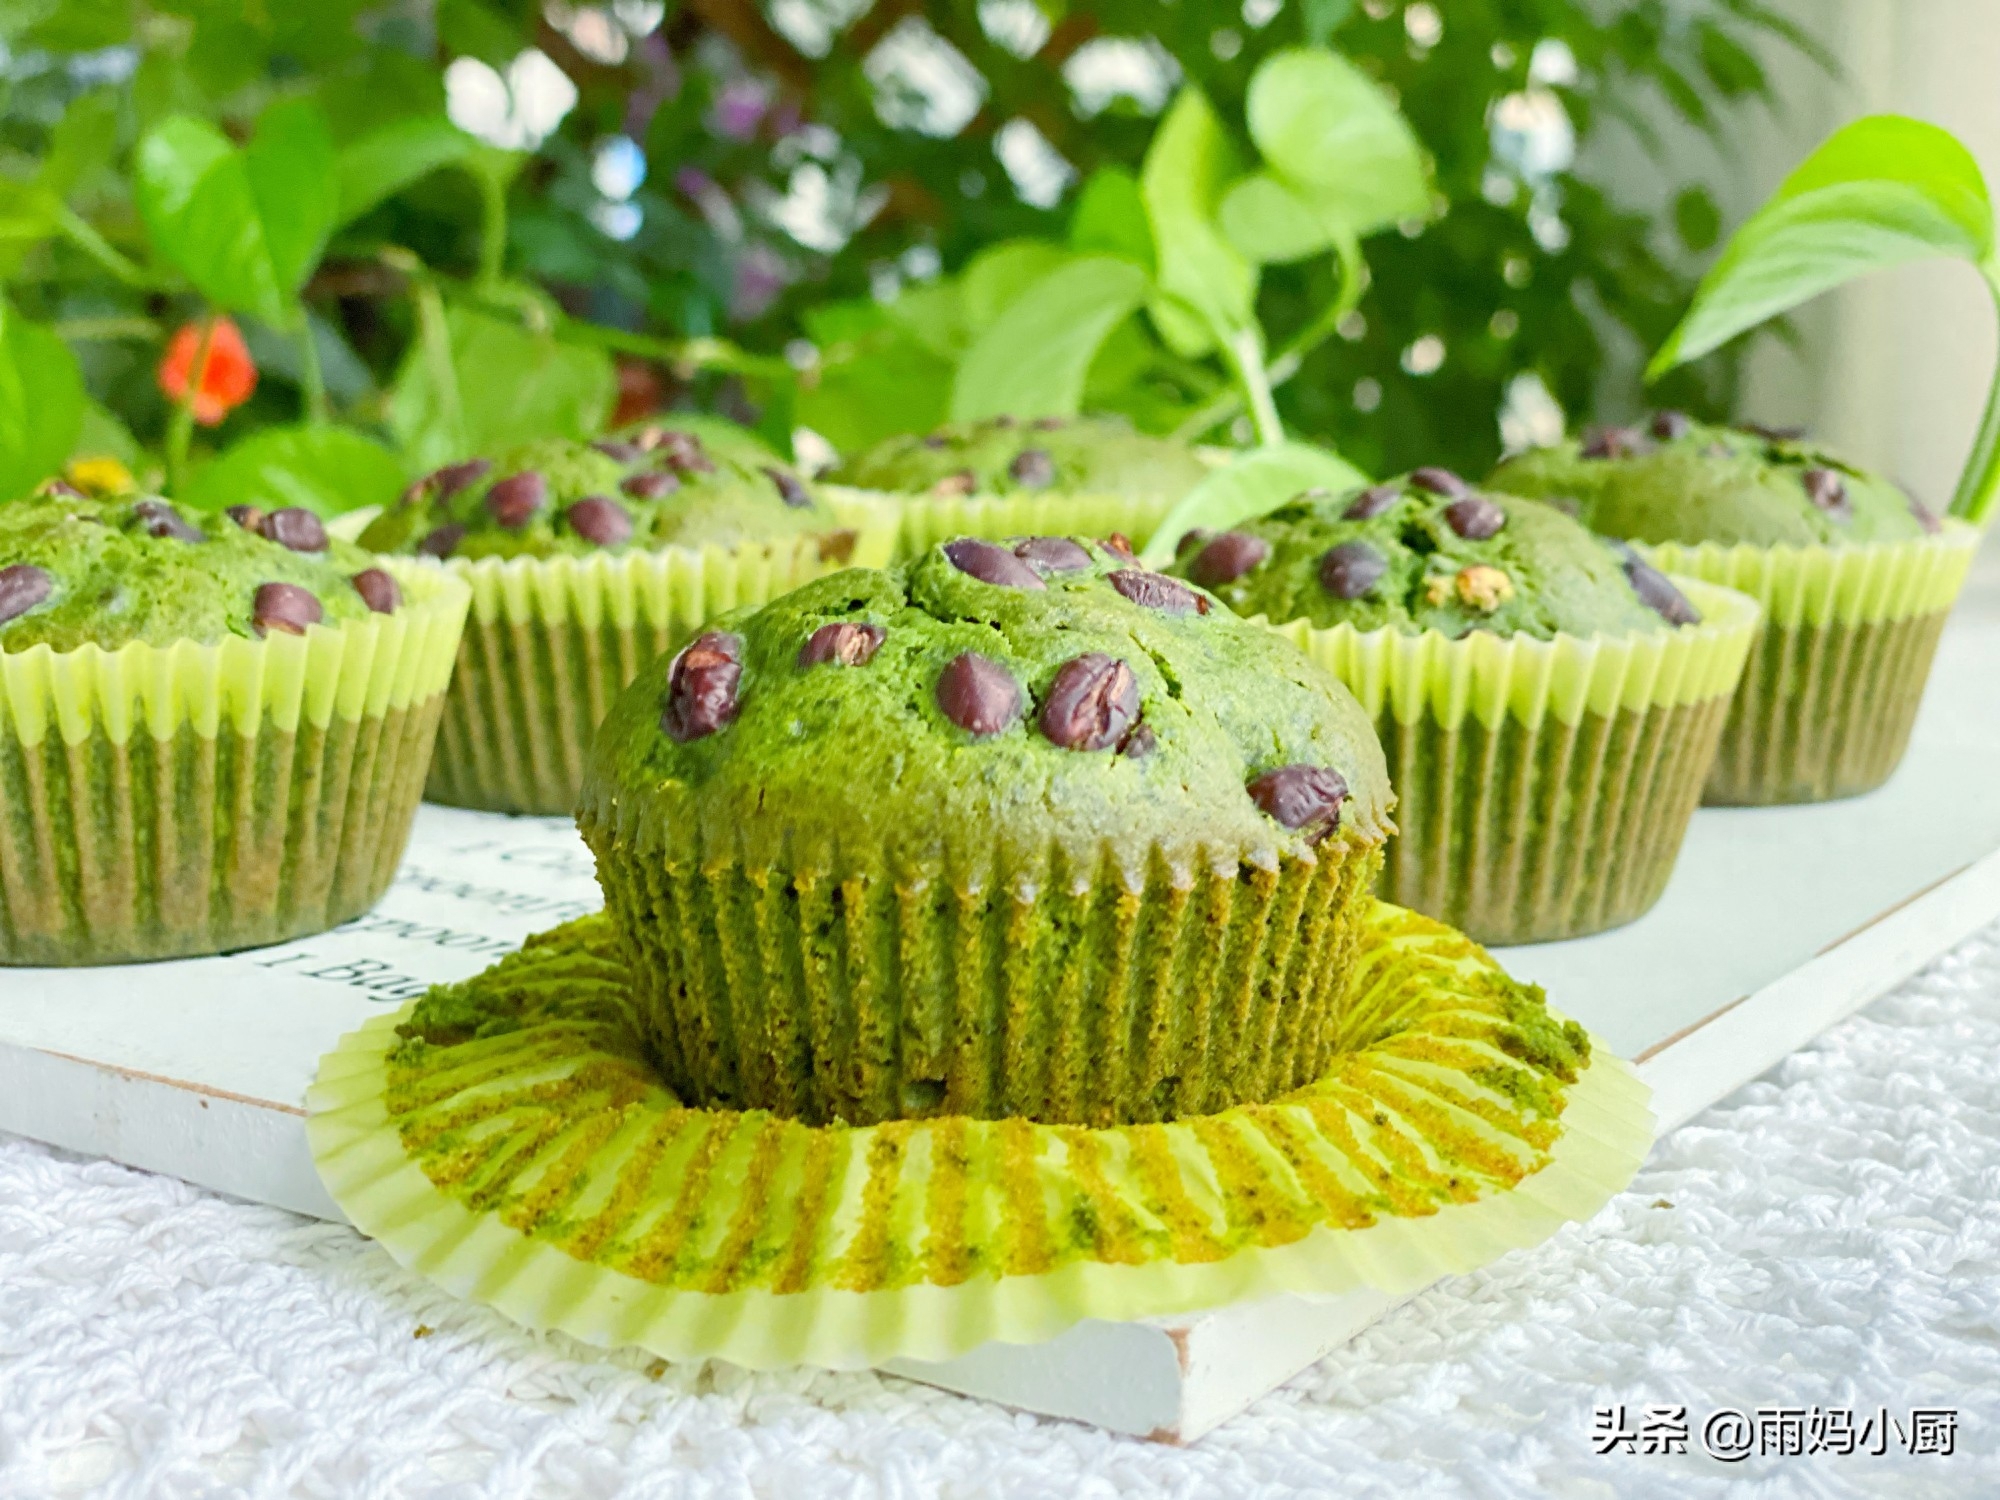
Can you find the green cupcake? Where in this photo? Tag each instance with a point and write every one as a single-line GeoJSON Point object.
{"type": "Point", "coordinates": [1548, 701]}
{"type": "Point", "coordinates": [587, 560]}
{"type": "Point", "coordinates": [213, 729]}
{"type": "Point", "coordinates": [1018, 829]}
{"type": "Point", "coordinates": [1001, 477]}
{"type": "Point", "coordinates": [1855, 577]}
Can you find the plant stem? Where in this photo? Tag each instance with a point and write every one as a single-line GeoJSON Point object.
{"type": "Point", "coordinates": [434, 335]}
{"type": "Point", "coordinates": [87, 330]}
{"type": "Point", "coordinates": [492, 227]}
{"type": "Point", "coordinates": [1244, 350]}
{"type": "Point", "coordinates": [180, 428]}
{"type": "Point", "coordinates": [312, 380]}
{"type": "Point", "coordinates": [91, 243]}
{"type": "Point", "coordinates": [1292, 356]}
{"type": "Point", "coordinates": [1979, 486]}
{"type": "Point", "coordinates": [700, 353]}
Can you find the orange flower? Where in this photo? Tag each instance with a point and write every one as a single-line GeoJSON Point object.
{"type": "Point", "coordinates": [228, 375]}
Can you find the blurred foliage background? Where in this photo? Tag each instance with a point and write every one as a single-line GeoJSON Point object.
{"type": "Point", "coordinates": [725, 196]}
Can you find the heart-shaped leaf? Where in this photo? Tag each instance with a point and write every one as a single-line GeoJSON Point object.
{"type": "Point", "coordinates": [387, 160]}
{"type": "Point", "coordinates": [1332, 133]}
{"type": "Point", "coordinates": [1881, 192]}
{"type": "Point", "coordinates": [1110, 218]}
{"type": "Point", "coordinates": [41, 403]}
{"type": "Point", "coordinates": [1271, 223]}
{"type": "Point", "coordinates": [245, 226]}
{"type": "Point", "coordinates": [324, 469]}
{"type": "Point", "coordinates": [1033, 360]}
{"type": "Point", "coordinates": [494, 383]}
{"type": "Point", "coordinates": [1209, 289]}
{"type": "Point", "coordinates": [1254, 482]}
{"type": "Point", "coordinates": [1000, 273]}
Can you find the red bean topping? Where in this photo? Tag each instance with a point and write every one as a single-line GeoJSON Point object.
{"type": "Point", "coordinates": [514, 500]}
{"type": "Point", "coordinates": [158, 518]}
{"type": "Point", "coordinates": [701, 686]}
{"type": "Point", "coordinates": [1351, 570]}
{"type": "Point", "coordinates": [1828, 491]}
{"type": "Point", "coordinates": [848, 643]}
{"type": "Point", "coordinates": [790, 490]}
{"type": "Point", "coordinates": [1228, 558]}
{"type": "Point", "coordinates": [442, 541]}
{"type": "Point", "coordinates": [1033, 469]}
{"type": "Point", "coordinates": [1475, 518]}
{"type": "Point", "coordinates": [993, 564]}
{"type": "Point", "coordinates": [1371, 502]}
{"type": "Point", "coordinates": [22, 587]}
{"type": "Point", "coordinates": [1092, 704]}
{"type": "Point", "coordinates": [654, 484]}
{"type": "Point", "coordinates": [1157, 591]}
{"type": "Point", "coordinates": [1301, 797]}
{"type": "Point", "coordinates": [284, 606]}
{"type": "Point", "coordinates": [1052, 554]}
{"type": "Point", "coordinates": [249, 517]}
{"type": "Point", "coordinates": [979, 695]}
{"type": "Point", "coordinates": [295, 528]}
{"type": "Point", "coordinates": [600, 520]}
{"type": "Point", "coordinates": [1440, 482]}
{"type": "Point", "coordinates": [378, 591]}
{"type": "Point", "coordinates": [1669, 426]}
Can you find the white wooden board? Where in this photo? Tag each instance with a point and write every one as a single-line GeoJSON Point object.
{"type": "Point", "coordinates": [1778, 923]}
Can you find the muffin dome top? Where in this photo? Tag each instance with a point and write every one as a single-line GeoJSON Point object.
{"type": "Point", "coordinates": [1427, 552]}
{"type": "Point", "coordinates": [1043, 693]}
{"type": "Point", "coordinates": [77, 571]}
{"type": "Point", "coordinates": [1677, 480]}
{"type": "Point", "coordinates": [1001, 456]}
{"type": "Point", "coordinates": [655, 486]}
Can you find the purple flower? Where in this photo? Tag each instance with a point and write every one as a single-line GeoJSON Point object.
{"type": "Point", "coordinates": [738, 109]}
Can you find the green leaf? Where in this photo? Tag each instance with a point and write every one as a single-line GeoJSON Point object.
{"type": "Point", "coordinates": [102, 434]}
{"type": "Point", "coordinates": [1110, 218]}
{"type": "Point", "coordinates": [325, 469]}
{"type": "Point", "coordinates": [500, 383]}
{"type": "Point", "coordinates": [82, 143]}
{"type": "Point", "coordinates": [1000, 273]}
{"type": "Point", "coordinates": [1881, 192]}
{"type": "Point", "coordinates": [385, 161]}
{"type": "Point", "coordinates": [1256, 481]}
{"type": "Point", "coordinates": [1272, 224]}
{"type": "Point", "coordinates": [1330, 130]}
{"type": "Point", "coordinates": [883, 378]}
{"type": "Point", "coordinates": [245, 226]}
{"type": "Point", "coordinates": [1033, 360]}
{"type": "Point", "coordinates": [1210, 289]}
{"type": "Point", "coordinates": [1696, 219]}
{"type": "Point", "coordinates": [41, 403]}
{"type": "Point", "coordinates": [1321, 18]}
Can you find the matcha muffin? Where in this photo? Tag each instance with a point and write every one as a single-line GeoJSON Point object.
{"type": "Point", "coordinates": [1548, 700]}
{"type": "Point", "coordinates": [1020, 829]}
{"type": "Point", "coordinates": [587, 560]}
{"type": "Point", "coordinates": [1855, 578]}
{"type": "Point", "coordinates": [1002, 476]}
{"type": "Point", "coordinates": [213, 728]}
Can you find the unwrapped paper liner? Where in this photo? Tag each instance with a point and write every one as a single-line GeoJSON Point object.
{"type": "Point", "coordinates": [525, 1155]}
{"type": "Point", "coordinates": [552, 641]}
{"type": "Point", "coordinates": [1836, 676]}
{"type": "Point", "coordinates": [1543, 787]}
{"type": "Point", "coordinates": [928, 519]}
{"type": "Point", "coordinates": [165, 801]}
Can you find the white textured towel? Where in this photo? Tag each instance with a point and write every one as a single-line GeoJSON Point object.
{"type": "Point", "coordinates": [1828, 1237]}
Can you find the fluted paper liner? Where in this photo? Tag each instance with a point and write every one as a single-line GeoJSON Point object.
{"type": "Point", "coordinates": [928, 519]}
{"type": "Point", "coordinates": [552, 641]}
{"type": "Point", "coordinates": [160, 802]}
{"type": "Point", "coordinates": [510, 1139]}
{"type": "Point", "coordinates": [1543, 787]}
{"type": "Point", "coordinates": [1834, 681]}
{"type": "Point", "coordinates": [1092, 993]}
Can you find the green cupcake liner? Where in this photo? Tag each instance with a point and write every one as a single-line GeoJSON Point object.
{"type": "Point", "coordinates": [163, 802]}
{"type": "Point", "coordinates": [928, 519]}
{"type": "Point", "coordinates": [1837, 674]}
{"type": "Point", "coordinates": [552, 641]}
{"type": "Point", "coordinates": [511, 1139]}
{"type": "Point", "coordinates": [1543, 787]}
{"type": "Point", "coordinates": [1100, 992]}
